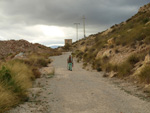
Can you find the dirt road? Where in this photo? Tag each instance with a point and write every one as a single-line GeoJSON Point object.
{"type": "Point", "coordinates": [80, 91]}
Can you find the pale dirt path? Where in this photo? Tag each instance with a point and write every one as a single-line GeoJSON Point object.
{"type": "Point", "coordinates": [80, 91]}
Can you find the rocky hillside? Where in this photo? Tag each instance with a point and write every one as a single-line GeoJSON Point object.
{"type": "Point", "coordinates": [122, 50]}
{"type": "Point", "coordinates": [20, 65]}
{"type": "Point", "coordinates": [13, 47]}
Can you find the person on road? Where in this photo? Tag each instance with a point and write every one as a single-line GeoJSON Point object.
{"type": "Point", "coordinates": [70, 62]}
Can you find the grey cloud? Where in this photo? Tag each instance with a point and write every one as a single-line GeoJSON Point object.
{"type": "Point", "coordinates": [16, 16]}
{"type": "Point", "coordinates": [65, 12]}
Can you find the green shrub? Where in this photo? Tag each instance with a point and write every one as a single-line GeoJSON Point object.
{"type": "Point", "coordinates": [5, 74]}
{"type": "Point", "coordinates": [15, 78]}
{"type": "Point", "coordinates": [7, 79]}
{"type": "Point", "coordinates": [20, 73]}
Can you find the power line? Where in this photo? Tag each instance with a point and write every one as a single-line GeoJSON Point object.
{"type": "Point", "coordinates": [77, 29]}
{"type": "Point", "coordinates": [84, 26]}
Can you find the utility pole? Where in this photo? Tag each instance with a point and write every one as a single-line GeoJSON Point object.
{"type": "Point", "coordinates": [84, 26]}
{"type": "Point", "coordinates": [77, 29]}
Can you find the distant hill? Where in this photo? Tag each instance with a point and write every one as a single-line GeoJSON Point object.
{"type": "Point", "coordinates": [12, 47]}
{"type": "Point", "coordinates": [55, 46]}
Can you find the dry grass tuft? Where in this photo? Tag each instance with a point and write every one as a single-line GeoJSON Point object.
{"type": "Point", "coordinates": [145, 74]}
{"type": "Point", "coordinates": [38, 60]}
{"type": "Point", "coordinates": [36, 72]}
{"type": "Point", "coordinates": [21, 73]}
{"type": "Point", "coordinates": [7, 99]}
{"type": "Point", "coordinates": [15, 78]}
{"type": "Point", "coordinates": [17, 75]}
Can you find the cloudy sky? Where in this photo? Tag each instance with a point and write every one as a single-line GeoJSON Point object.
{"type": "Point", "coordinates": [49, 22]}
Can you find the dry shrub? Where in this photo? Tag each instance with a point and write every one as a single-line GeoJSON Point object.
{"type": "Point", "coordinates": [15, 78]}
{"type": "Point", "coordinates": [133, 59]}
{"type": "Point", "coordinates": [109, 67]}
{"type": "Point", "coordinates": [7, 99]}
{"type": "Point", "coordinates": [36, 72]}
{"type": "Point", "coordinates": [124, 69]}
{"type": "Point", "coordinates": [21, 73]}
{"type": "Point", "coordinates": [38, 60]}
{"type": "Point", "coordinates": [145, 74]}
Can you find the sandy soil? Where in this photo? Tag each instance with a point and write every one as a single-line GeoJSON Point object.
{"type": "Point", "coordinates": [79, 91]}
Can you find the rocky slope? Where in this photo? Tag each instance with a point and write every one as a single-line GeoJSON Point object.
{"type": "Point", "coordinates": [13, 47]}
{"type": "Point", "coordinates": [122, 50]}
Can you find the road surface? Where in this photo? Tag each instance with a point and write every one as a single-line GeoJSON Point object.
{"type": "Point", "coordinates": [80, 91]}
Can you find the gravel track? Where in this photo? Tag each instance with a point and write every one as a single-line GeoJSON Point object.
{"type": "Point", "coordinates": [80, 91]}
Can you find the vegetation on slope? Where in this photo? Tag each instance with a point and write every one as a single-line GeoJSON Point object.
{"type": "Point", "coordinates": [18, 73]}
{"type": "Point", "coordinates": [130, 38]}
{"type": "Point", "coordinates": [15, 78]}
